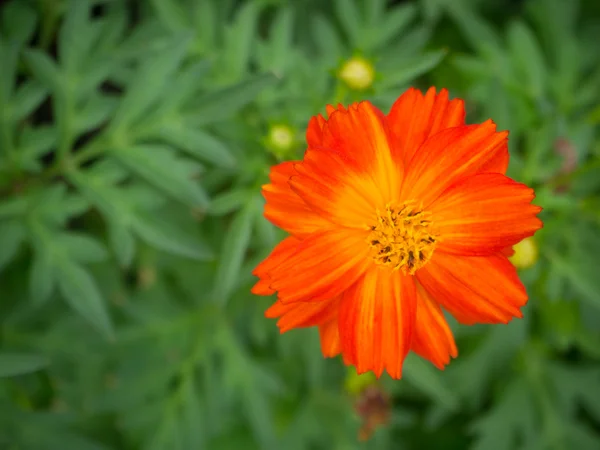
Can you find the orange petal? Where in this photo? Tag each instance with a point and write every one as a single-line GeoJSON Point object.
{"type": "Point", "coordinates": [360, 136]}
{"type": "Point", "coordinates": [432, 339]}
{"type": "Point", "coordinates": [449, 156]}
{"type": "Point", "coordinates": [284, 250]}
{"type": "Point", "coordinates": [330, 338]}
{"type": "Point", "coordinates": [482, 214]}
{"type": "Point", "coordinates": [335, 191]}
{"type": "Point", "coordinates": [314, 131]}
{"type": "Point", "coordinates": [474, 289]}
{"type": "Point", "coordinates": [414, 117]}
{"type": "Point", "coordinates": [303, 314]}
{"type": "Point", "coordinates": [323, 266]}
{"type": "Point", "coordinates": [376, 320]}
{"type": "Point", "coordinates": [284, 208]}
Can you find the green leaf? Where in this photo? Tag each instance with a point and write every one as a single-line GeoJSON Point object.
{"type": "Point", "coordinates": [427, 379]}
{"type": "Point", "coordinates": [511, 419]}
{"type": "Point", "coordinates": [229, 201]}
{"type": "Point", "coordinates": [237, 239]}
{"type": "Point", "coordinates": [148, 83]}
{"type": "Point", "coordinates": [219, 105]}
{"type": "Point", "coordinates": [394, 23]}
{"type": "Point", "coordinates": [12, 364]}
{"type": "Point", "coordinates": [171, 14]}
{"type": "Point", "coordinates": [28, 97]}
{"type": "Point", "coordinates": [97, 110]}
{"type": "Point", "coordinates": [582, 277]}
{"type": "Point", "coordinates": [160, 167]}
{"type": "Point", "coordinates": [18, 22]}
{"type": "Point", "coordinates": [528, 55]}
{"type": "Point", "coordinates": [12, 233]}
{"type": "Point", "coordinates": [239, 38]}
{"type": "Point", "coordinates": [75, 36]}
{"type": "Point", "coordinates": [45, 70]}
{"type": "Point", "coordinates": [123, 213]}
{"type": "Point", "coordinates": [197, 143]}
{"type": "Point", "coordinates": [81, 248]}
{"type": "Point", "coordinates": [412, 69]}
{"type": "Point", "coordinates": [41, 277]}
{"type": "Point", "coordinates": [81, 293]}
{"type": "Point", "coordinates": [327, 38]}
{"type": "Point", "coordinates": [349, 16]}
{"type": "Point", "coordinates": [122, 242]}
{"type": "Point", "coordinates": [164, 236]}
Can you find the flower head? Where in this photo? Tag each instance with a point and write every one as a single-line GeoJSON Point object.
{"type": "Point", "coordinates": [392, 218]}
{"type": "Point", "coordinates": [280, 139]}
{"type": "Point", "coordinates": [357, 73]}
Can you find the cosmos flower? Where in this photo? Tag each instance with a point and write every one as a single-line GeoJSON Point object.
{"type": "Point", "coordinates": [393, 219]}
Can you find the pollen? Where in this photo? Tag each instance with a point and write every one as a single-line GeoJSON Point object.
{"type": "Point", "coordinates": [403, 237]}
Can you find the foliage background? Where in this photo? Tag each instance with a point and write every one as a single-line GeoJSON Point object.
{"type": "Point", "coordinates": [134, 137]}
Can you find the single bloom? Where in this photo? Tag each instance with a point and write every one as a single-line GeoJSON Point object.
{"type": "Point", "coordinates": [392, 220]}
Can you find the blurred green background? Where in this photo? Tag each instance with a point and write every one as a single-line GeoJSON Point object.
{"type": "Point", "coordinates": [134, 138]}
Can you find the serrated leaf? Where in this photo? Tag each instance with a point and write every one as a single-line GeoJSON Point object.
{"type": "Point", "coordinates": [234, 249]}
{"type": "Point", "coordinates": [12, 364]}
{"type": "Point", "coordinates": [150, 79]}
{"type": "Point", "coordinates": [197, 143]}
{"type": "Point", "coordinates": [80, 291]}
{"type": "Point", "coordinates": [160, 167]}
{"type": "Point", "coordinates": [219, 105]}
{"type": "Point", "coordinates": [12, 233]}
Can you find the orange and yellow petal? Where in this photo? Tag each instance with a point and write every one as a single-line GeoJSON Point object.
{"type": "Point", "coordinates": [303, 314]}
{"type": "Point", "coordinates": [359, 135]}
{"type": "Point", "coordinates": [475, 289]}
{"type": "Point", "coordinates": [330, 338]}
{"type": "Point", "coordinates": [450, 155]}
{"type": "Point", "coordinates": [414, 117]}
{"type": "Point", "coordinates": [284, 208]}
{"type": "Point", "coordinates": [331, 188]}
{"type": "Point", "coordinates": [376, 320]}
{"type": "Point", "coordinates": [484, 213]}
{"type": "Point", "coordinates": [322, 266]}
{"type": "Point", "coordinates": [281, 253]}
{"type": "Point", "coordinates": [432, 338]}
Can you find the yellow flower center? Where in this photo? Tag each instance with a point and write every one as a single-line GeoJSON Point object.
{"type": "Point", "coordinates": [403, 237]}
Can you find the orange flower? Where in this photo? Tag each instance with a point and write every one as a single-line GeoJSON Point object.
{"type": "Point", "coordinates": [392, 218]}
